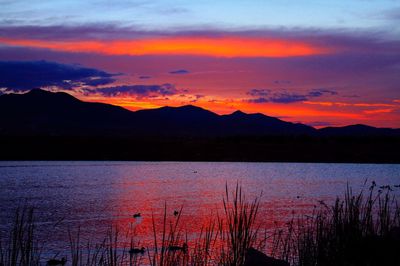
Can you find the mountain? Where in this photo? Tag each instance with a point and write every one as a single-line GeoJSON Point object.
{"type": "Point", "coordinates": [40, 112]}
{"type": "Point", "coordinates": [41, 125]}
{"type": "Point", "coordinates": [44, 113]}
{"type": "Point", "coordinates": [358, 130]}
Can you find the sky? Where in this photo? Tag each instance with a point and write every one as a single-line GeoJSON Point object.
{"type": "Point", "coordinates": [322, 63]}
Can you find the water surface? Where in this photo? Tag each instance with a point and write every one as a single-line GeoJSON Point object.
{"type": "Point", "coordinates": [93, 195]}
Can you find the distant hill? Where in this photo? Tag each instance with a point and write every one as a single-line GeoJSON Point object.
{"type": "Point", "coordinates": [40, 112]}
{"type": "Point", "coordinates": [358, 130]}
{"type": "Point", "coordinates": [42, 125]}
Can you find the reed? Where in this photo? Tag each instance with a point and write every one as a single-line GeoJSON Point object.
{"type": "Point", "coordinates": [20, 246]}
{"type": "Point", "coordinates": [237, 228]}
{"type": "Point", "coordinates": [203, 251]}
{"type": "Point", "coordinates": [361, 229]}
{"type": "Point", "coordinates": [111, 251]}
{"type": "Point", "coordinates": [172, 248]}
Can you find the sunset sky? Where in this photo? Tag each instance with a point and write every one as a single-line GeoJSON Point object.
{"type": "Point", "coordinates": [322, 63]}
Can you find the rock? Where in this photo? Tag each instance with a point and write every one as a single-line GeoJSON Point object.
{"type": "Point", "coordinates": [257, 258]}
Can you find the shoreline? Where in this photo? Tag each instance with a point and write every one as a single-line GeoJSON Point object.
{"type": "Point", "coordinates": [264, 149]}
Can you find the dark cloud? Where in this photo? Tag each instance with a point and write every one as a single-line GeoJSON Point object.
{"type": "Point", "coordinates": [320, 92]}
{"type": "Point", "coordinates": [91, 32]}
{"type": "Point", "coordinates": [266, 95]}
{"type": "Point", "coordinates": [287, 98]}
{"type": "Point", "coordinates": [180, 71]}
{"type": "Point", "coordinates": [138, 90]}
{"type": "Point", "coordinates": [196, 97]}
{"type": "Point", "coordinates": [144, 77]}
{"type": "Point", "coordinates": [97, 81]}
{"type": "Point", "coordinates": [259, 92]}
{"type": "Point", "coordinates": [26, 75]}
{"type": "Point", "coordinates": [258, 100]}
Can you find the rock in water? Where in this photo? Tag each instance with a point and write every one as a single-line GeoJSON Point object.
{"type": "Point", "coordinates": [257, 258]}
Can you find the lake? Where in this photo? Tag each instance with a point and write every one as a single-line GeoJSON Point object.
{"type": "Point", "coordinates": [91, 195]}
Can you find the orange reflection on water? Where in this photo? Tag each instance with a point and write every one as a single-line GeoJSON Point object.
{"type": "Point", "coordinates": [201, 205]}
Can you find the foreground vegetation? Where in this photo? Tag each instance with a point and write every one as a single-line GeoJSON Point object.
{"type": "Point", "coordinates": [360, 229]}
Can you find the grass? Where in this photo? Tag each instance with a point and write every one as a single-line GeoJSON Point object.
{"type": "Point", "coordinates": [359, 229]}
{"type": "Point", "coordinates": [169, 250]}
{"type": "Point", "coordinates": [237, 228]}
{"type": "Point", "coordinates": [20, 247]}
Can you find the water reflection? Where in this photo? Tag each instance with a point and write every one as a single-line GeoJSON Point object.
{"type": "Point", "coordinates": [93, 195]}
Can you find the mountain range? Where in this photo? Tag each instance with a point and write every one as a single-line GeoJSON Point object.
{"type": "Point", "coordinates": [45, 113]}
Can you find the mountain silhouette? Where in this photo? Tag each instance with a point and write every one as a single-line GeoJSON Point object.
{"type": "Point", "coordinates": [42, 125]}
{"type": "Point", "coordinates": [358, 130]}
{"type": "Point", "coordinates": [40, 112]}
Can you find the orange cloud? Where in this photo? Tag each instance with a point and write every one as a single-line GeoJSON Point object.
{"type": "Point", "coordinates": [379, 111]}
{"type": "Point", "coordinates": [342, 104]}
{"type": "Point", "coordinates": [226, 106]}
{"type": "Point", "coordinates": [203, 46]}
{"type": "Point", "coordinates": [298, 111]}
